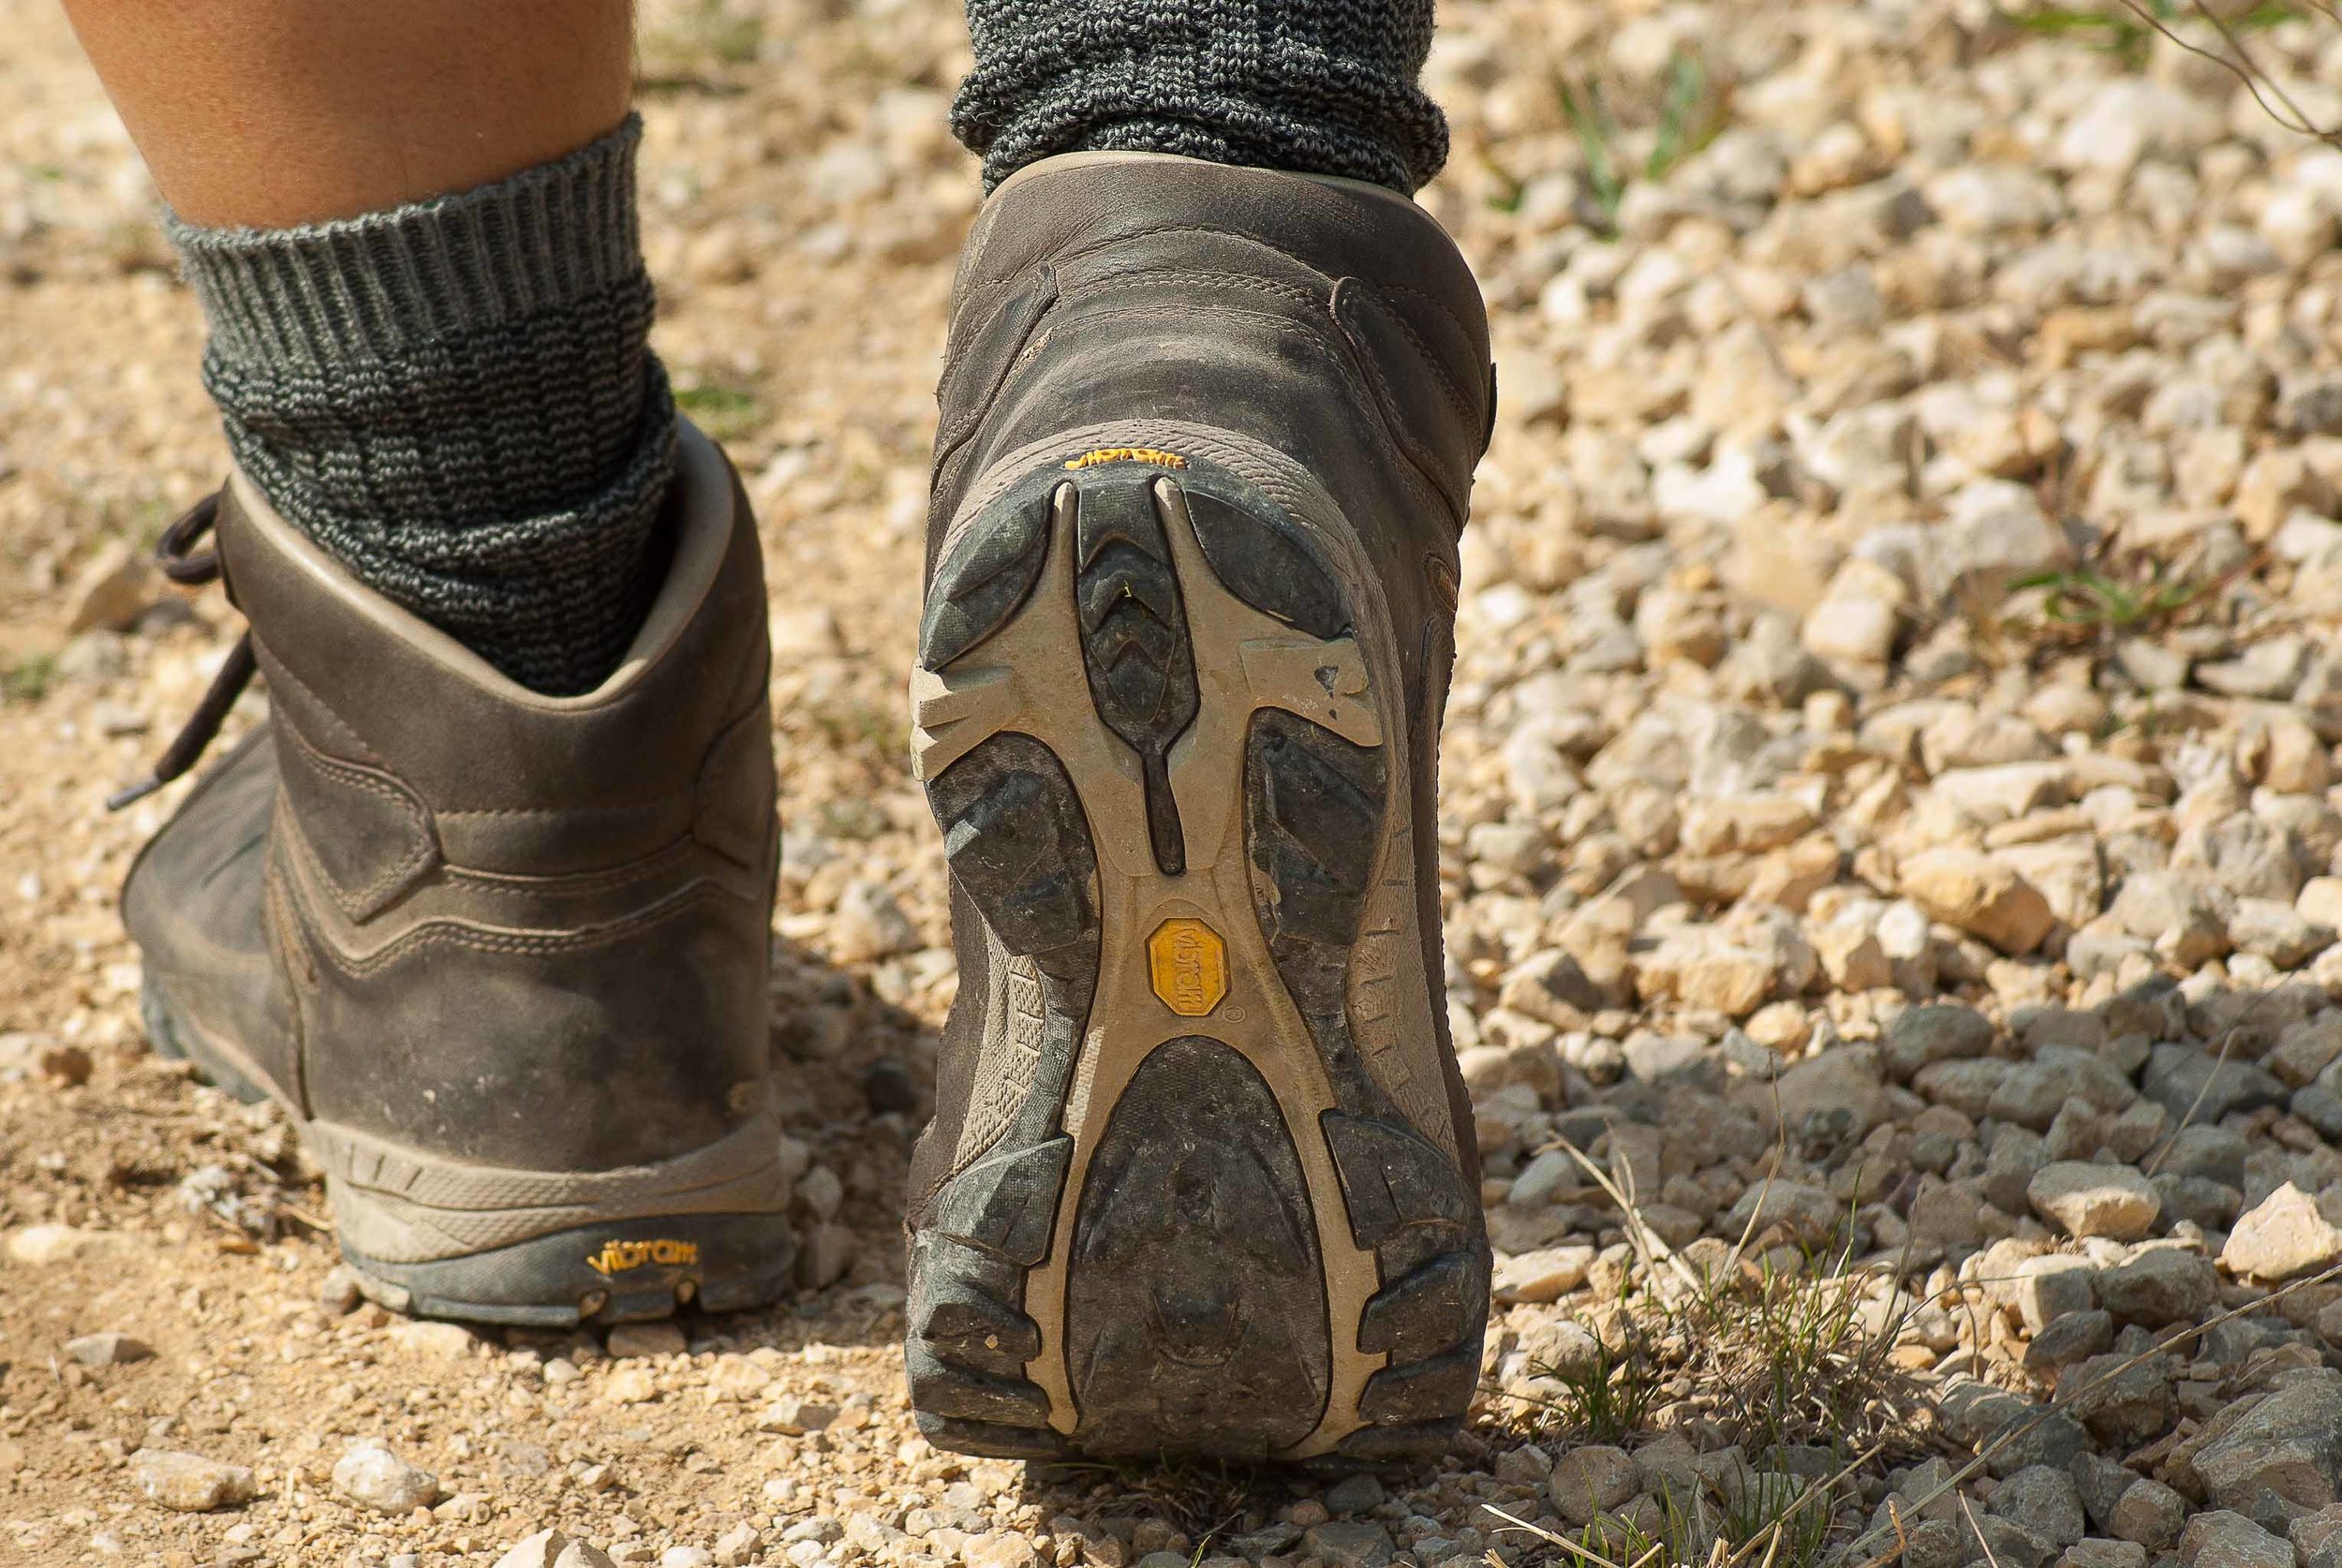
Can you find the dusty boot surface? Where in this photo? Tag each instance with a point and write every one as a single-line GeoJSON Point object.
{"type": "Point", "coordinates": [502, 956]}
{"type": "Point", "coordinates": [1202, 1177]}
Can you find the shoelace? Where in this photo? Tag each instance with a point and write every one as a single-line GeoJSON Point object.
{"type": "Point", "coordinates": [176, 554]}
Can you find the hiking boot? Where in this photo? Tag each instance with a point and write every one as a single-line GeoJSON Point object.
{"type": "Point", "coordinates": [1201, 1178]}
{"type": "Point", "coordinates": [502, 956]}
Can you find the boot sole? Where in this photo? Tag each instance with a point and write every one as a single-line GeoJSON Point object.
{"type": "Point", "coordinates": [1201, 1205]}
{"type": "Point", "coordinates": [628, 1267]}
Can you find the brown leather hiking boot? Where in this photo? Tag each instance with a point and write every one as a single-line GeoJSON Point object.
{"type": "Point", "coordinates": [1201, 1177]}
{"type": "Point", "coordinates": [502, 956]}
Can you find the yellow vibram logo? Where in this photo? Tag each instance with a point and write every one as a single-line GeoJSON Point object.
{"type": "Point", "coordinates": [1188, 965]}
{"type": "Point", "coordinates": [616, 1257]}
{"type": "Point", "coordinates": [1128, 455]}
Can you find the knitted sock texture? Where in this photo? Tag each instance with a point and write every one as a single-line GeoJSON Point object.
{"type": "Point", "coordinates": [458, 400]}
{"type": "Point", "coordinates": [1313, 86]}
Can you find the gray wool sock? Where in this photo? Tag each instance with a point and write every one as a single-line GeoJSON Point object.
{"type": "Point", "coordinates": [1314, 86]}
{"type": "Point", "coordinates": [458, 400]}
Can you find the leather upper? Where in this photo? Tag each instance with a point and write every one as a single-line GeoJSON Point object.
{"type": "Point", "coordinates": [1100, 286]}
{"type": "Point", "coordinates": [519, 930]}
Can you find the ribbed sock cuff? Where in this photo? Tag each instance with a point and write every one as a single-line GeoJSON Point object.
{"type": "Point", "coordinates": [379, 285]}
{"type": "Point", "coordinates": [458, 400]}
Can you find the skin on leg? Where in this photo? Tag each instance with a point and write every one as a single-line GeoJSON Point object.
{"type": "Point", "coordinates": [267, 113]}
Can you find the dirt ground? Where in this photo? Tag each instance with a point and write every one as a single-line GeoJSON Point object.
{"type": "Point", "coordinates": [1890, 815]}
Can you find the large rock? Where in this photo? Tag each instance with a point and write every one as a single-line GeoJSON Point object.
{"type": "Point", "coordinates": [2244, 856]}
{"type": "Point", "coordinates": [2012, 1430]}
{"type": "Point", "coordinates": [371, 1474]}
{"type": "Point", "coordinates": [1547, 1273]}
{"type": "Point", "coordinates": [189, 1483]}
{"type": "Point", "coordinates": [2015, 1159]}
{"type": "Point", "coordinates": [2226, 1540]}
{"type": "Point", "coordinates": [1993, 531]}
{"type": "Point", "coordinates": [2214, 1153]}
{"type": "Point", "coordinates": [2067, 871]}
{"type": "Point", "coordinates": [2159, 1286]}
{"type": "Point", "coordinates": [2208, 1205]}
{"type": "Point", "coordinates": [2187, 1082]}
{"type": "Point", "coordinates": [2283, 1236]}
{"type": "Point", "coordinates": [2068, 1342]}
{"type": "Point", "coordinates": [1348, 1543]}
{"type": "Point", "coordinates": [2087, 1200]}
{"type": "Point", "coordinates": [1851, 626]}
{"type": "Point", "coordinates": [2289, 1445]}
{"type": "Point", "coordinates": [2185, 917]}
{"type": "Point", "coordinates": [1945, 1032]}
{"type": "Point", "coordinates": [995, 1549]}
{"type": "Point", "coordinates": [1990, 795]}
{"type": "Point", "coordinates": [2124, 1402]}
{"type": "Point", "coordinates": [110, 1349]}
{"type": "Point", "coordinates": [1841, 1086]}
{"type": "Point", "coordinates": [1703, 966]}
{"type": "Point", "coordinates": [1991, 199]}
{"type": "Point", "coordinates": [2046, 1289]}
{"type": "Point", "coordinates": [1967, 1086]}
{"type": "Point", "coordinates": [2011, 1543]}
{"type": "Point", "coordinates": [2151, 1514]}
{"type": "Point", "coordinates": [1979, 896]}
{"type": "Point", "coordinates": [2101, 1481]}
{"type": "Point", "coordinates": [2044, 1499]}
{"type": "Point", "coordinates": [2278, 931]}
{"type": "Point", "coordinates": [1592, 1480]}
{"type": "Point", "coordinates": [2129, 118]}
{"type": "Point", "coordinates": [2318, 1538]}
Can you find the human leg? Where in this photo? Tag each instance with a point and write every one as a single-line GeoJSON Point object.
{"type": "Point", "coordinates": [413, 231]}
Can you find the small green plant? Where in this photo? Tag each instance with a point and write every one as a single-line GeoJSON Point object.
{"type": "Point", "coordinates": [1804, 1368]}
{"type": "Point", "coordinates": [1688, 116]}
{"type": "Point", "coordinates": [1590, 122]}
{"type": "Point", "coordinates": [2108, 32]}
{"type": "Point", "coordinates": [1770, 1507]}
{"type": "Point", "coordinates": [1764, 1517]}
{"type": "Point", "coordinates": [1678, 122]}
{"type": "Point", "coordinates": [1510, 187]}
{"type": "Point", "coordinates": [2093, 602]}
{"type": "Point", "coordinates": [725, 411]}
{"type": "Point", "coordinates": [1773, 1353]}
{"type": "Point", "coordinates": [1606, 1397]}
{"type": "Point", "coordinates": [1620, 1543]}
{"type": "Point", "coordinates": [28, 679]}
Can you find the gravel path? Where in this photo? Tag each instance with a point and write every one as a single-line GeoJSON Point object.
{"type": "Point", "coordinates": [1891, 829]}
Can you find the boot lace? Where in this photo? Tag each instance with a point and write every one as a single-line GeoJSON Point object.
{"type": "Point", "coordinates": [175, 552]}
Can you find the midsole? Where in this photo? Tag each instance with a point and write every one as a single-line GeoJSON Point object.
{"type": "Point", "coordinates": [608, 1272]}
